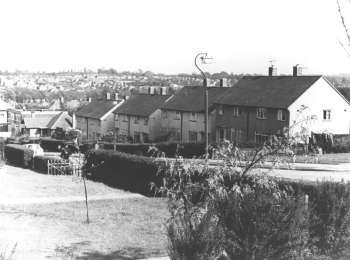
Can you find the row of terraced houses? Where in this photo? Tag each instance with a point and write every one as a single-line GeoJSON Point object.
{"type": "Point", "coordinates": [250, 111]}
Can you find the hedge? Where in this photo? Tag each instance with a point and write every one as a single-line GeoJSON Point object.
{"type": "Point", "coordinates": [122, 170]}
{"type": "Point", "coordinates": [40, 162]}
{"type": "Point", "coordinates": [18, 155]}
{"type": "Point", "coordinates": [51, 145]}
{"type": "Point", "coordinates": [187, 150]}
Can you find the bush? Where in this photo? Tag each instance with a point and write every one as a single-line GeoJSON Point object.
{"type": "Point", "coordinates": [18, 155]}
{"type": "Point", "coordinates": [187, 150]}
{"type": "Point", "coordinates": [227, 212]}
{"type": "Point", "coordinates": [51, 145]}
{"type": "Point", "coordinates": [40, 162]}
{"type": "Point", "coordinates": [117, 169]}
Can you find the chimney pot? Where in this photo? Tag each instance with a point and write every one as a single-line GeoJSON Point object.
{"type": "Point", "coordinates": [272, 71]}
{"type": "Point", "coordinates": [297, 70]}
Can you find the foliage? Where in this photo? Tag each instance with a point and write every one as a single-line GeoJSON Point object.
{"type": "Point", "coordinates": [187, 150]}
{"type": "Point", "coordinates": [18, 155]}
{"type": "Point", "coordinates": [54, 145]}
{"type": "Point", "coordinates": [231, 211]}
{"type": "Point", "coordinates": [121, 170]}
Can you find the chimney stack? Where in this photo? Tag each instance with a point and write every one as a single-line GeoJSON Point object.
{"type": "Point", "coordinates": [297, 70]}
{"type": "Point", "coordinates": [272, 71]}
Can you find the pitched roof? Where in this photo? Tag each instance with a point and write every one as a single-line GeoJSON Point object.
{"type": "Point", "coordinates": [36, 122]}
{"type": "Point", "coordinates": [267, 91]}
{"type": "Point", "coordinates": [96, 109]}
{"type": "Point", "coordinates": [62, 120]}
{"type": "Point", "coordinates": [191, 98]}
{"type": "Point", "coordinates": [141, 104]}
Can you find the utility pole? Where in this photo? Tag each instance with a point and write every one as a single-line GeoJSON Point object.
{"type": "Point", "coordinates": [204, 57]}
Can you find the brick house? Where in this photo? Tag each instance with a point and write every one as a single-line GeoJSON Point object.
{"type": "Point", "coordinates": [139, 118]}
{"type": "Point", "coordinates": [260, 106]}
{"type": "Point", "coordinates": [183, 115]}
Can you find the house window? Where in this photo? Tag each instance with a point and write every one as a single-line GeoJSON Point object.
{"type": "Point", "coordinates": [327, 114]}
{"type": "Point", "coordinates": [261, 113]}
{"type": "Point", "coordinates": [137, 137]}
{"type": "Point", "coordinates": [193, 136]}
{"type": "Point", "coordinates": [177, 115]}
{"type": "Point", "coordinates": [236, 111]}
{"type": "Point", "coordinates": [281, 115]}
{"type": "Point", "coordinates": [164, 114]}
{"type": "Point", "coordinates": [136, 120]}
{"type": "Point", "coordinates": [221, 133]}
{"type": "Point", "coordinates": [146, 121]}
{"type": "Point", "coordinates": [145, 137]}
{"type": "Point", "coordinates": [220, 110]}
{"type": "Point", "coordinates": [260, 138]}
{"type": "Point", "coordinates": [193, 116]}
{"type": "Point", "coordinates": [125, 118]}
{"type": "Point", "coordinates": [116, 117]}
{"type": "Point", "coordinates": [236, 135]}
{"type": "Point", "coordinates": [202, 136]}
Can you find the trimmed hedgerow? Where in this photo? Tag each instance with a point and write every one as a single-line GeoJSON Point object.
{"type": "Point", "coordinates": [40, 162]}
{"type": "Point", "coordinates": [18, 155]}
{"type": "Point", "coordinates": [187, 150]}
{"type": "Point", "coordinates": [122, 170]}
{"type": "Point", "coordinates": [52, 145]}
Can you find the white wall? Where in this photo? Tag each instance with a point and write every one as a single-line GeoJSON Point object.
{"type": "Point", "coordinates": [320, 96]}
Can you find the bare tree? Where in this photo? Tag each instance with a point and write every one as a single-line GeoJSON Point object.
{"type": "Point", "coordinates": [344, 20]}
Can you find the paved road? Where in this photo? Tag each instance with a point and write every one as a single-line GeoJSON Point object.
{"type": "Point", "coordinates": [313, 172]}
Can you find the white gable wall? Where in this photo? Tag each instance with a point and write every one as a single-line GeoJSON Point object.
{"type": "Point", "coordinates": [321, 96]}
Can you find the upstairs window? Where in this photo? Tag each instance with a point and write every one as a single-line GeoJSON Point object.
{"type": "Point", "coordinates": [177, 115]}
{"type": "Point", "coordinates": [136, 120]}
{"type": "Point", "coordinates": [327, 114]}
{"type": "Point", "coordinates": [261, 113]}
{"type": "Point", "coordinates": [236, 112]}
{"type": "Point", "coordinates": [220, 110]}
{"type": "Point", "coordinates": [193, 116]}
{"type": "Point", "coordinates": [281, 115]}
{"type": "Point", "coordinates": [164, 114]}
{"type": "Point", "coordinates": [146, 121]}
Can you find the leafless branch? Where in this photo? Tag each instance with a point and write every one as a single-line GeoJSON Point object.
{"type": "Point", "coordinates": [343, 22]}
{"type": "Point", "coordinates": [342, 45]}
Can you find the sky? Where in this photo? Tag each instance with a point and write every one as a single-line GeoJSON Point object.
{"type": "Point", "coordinates": [164, 36]}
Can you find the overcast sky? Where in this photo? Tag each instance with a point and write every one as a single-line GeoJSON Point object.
{"type": "Point", "coordinates": [164, 36]}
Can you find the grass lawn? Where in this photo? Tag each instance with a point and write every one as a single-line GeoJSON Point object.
{"type": "Point", "coordinates": [119, 229]}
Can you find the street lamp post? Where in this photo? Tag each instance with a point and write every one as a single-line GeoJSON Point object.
{"type": "Point", "coordinates": [204, 57]}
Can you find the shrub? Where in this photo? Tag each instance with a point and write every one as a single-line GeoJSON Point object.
{"type": "Point", "coordinates": [187, 150]}
{"type": "Point", "coordinates": [126, 171]}
{"type": "Point", "coordinates": [51, 145]}
{"type": "Point", "coordinates": [18, 155]}
{"type": "Point", "coordinates": [40, 162]}
{"type": "Point", "coordinates": [227, 212]}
